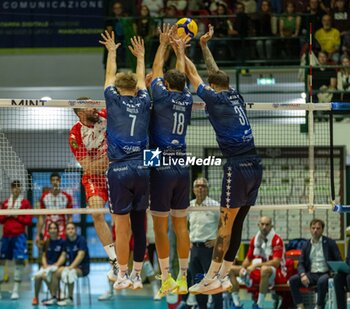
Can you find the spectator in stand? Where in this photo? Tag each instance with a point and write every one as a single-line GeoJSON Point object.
{"type": "Point", "coordinates": [340, 16]}
{"type": "Point", "coordinates": [289, 27]}
{"type": "Point", "coordinates": [263, 28]}
{"type": "Point", "coordinates": [195, 5]}
{"type": "Point", "coordinates": [155, 7]}
{"type": "Point", "coordinates": [313, 15]}
{"type": "Point", "coordinates": [124, 29]}
{"type": "Point", "coordinates": [300, 5]}
{"type": "Point", "coordinates": [276, 6]}
{"type": "Point", "coordinates": [54, 256]}
{"type": "Point", "coordinates": [77, 265]}
{"type": "Point", "coordinates": [323, 79]}
{"type": "Point", "coordinates": [325, 6]}
{"type": "Point", "coordinates": [249, 5]}
{"type": "Point", "coordinates": [223, 31]}
{"type": "Point", "coordinates": [181, 5]}
{"type": "Point", "coordinates": [343, 83]}
{"type": "Point", "coordinates": [171, 15]}
{"type": "Point", "coordinates": [54, 199]}
{"type": "Point", "coordinates": [329, 38]}
{"type": "Point", "coordinates": [342, 284]}
{"type": "Point", "coordinates": [203, 236]}
{"type": "Point", "coordinates": [14, 238]}
{"type": "Point", "coordinates": [312, 267]}
{"type": "Point", "coordinates": [147, 28]}
{"type": "Point", "coordinates": [264, 264]}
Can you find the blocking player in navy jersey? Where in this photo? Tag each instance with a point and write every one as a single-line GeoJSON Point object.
{"type": "Point", "coordinates": [172, 105]}
{"type": "Point", "coordinates": [242, 171]}
{"type": "Point", "coordinates": [128, 110]}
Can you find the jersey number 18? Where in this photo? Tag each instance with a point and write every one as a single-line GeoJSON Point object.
{"type": "Point", "coordinates": [179, 123]}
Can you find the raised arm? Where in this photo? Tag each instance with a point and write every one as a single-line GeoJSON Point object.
{"type": "Point", "coordinates": [178, 44]}
{"type": "Point", "coordinates": [192, 74]}
{"type": "Point", "coordinates": [137, 48]}
{"type": "Point", "coordinates": [111, 67]}
{"type": "Point", "coordinates": [207, 55]}
{"type": "Point", "coordinates": [159, 59]}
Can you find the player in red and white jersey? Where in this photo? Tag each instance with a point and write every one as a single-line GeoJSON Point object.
{"type": "Point", "coordinates": [264, 265]}
{"type": "Point", "coordinates": [54, 199]}
{"type": "Point", "coordinates": [14, 238]}
{"type": "Point", "coordinates": [87, 140]}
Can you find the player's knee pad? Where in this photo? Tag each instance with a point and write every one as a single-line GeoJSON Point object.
{"type": "Point", "coordinates": [178, 213]}
{"type": "Point", "coordinates": [18, 273]}
{"type": "Point", "coordinates": [162, 214]}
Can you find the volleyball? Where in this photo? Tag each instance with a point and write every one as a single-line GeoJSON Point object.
{"type": "Point", "coordinates": [187, 26]}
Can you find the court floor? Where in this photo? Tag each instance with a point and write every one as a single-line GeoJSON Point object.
{"type": "Point", "coordinates": [140, 299]}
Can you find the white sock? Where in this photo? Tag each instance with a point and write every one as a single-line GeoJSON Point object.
{"type": "Point", "coordinates": [137, 267]}
{"type": "Point", "coordinates": [225, 269]}
{"type": "Point", "coordinates": [110, 250]}
{"type": "Point", "coordinates": [183, 266]}
{"type": "Point", "coordinates": [2, 273]}
{"type": "Point", "coordinates": [15, 287]}
{"type": "Point", "coordinates": [123, 269]}
{"type": "Point", "coordinates": [164, 267]}
{"type": "Point", "coordinates": [261, 300]}
{"type": "Point", "coordinates": [236, 299]}
{"type": "Point", "coordinates": [148, 269]}
{"type": "Point", "coordinates": [213, 269]}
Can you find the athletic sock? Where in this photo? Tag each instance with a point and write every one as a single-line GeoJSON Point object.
{"type": "Point", "coordinates": [213, 270]}
{"type": "Point", "coordinates": [225, 269]}
{"type": "Point", "coordinates": [123, 269]}
{"type": "Point", "coordinates": [110, 250]}
{"type": "Point", "coordinates": [261, 300]}
{"type": "Point", "coordinates": [183, 267]}
{"type": "Point", "coordinates": [236, 300]}
{"type": "Point", "coordinates": [164, 267]}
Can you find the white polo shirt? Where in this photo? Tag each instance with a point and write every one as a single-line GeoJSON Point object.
{"type": "Point", "coordinates": [204, 224]}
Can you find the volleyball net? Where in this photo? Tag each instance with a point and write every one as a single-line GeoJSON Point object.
{"type": "Point", "coordinates": [303, 170]}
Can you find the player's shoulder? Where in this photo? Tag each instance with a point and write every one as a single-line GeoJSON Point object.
{"type": "Point", "coordinates": [75, 130]}
{"type": "Point", "coordinates": [277, 240]}
{"type": "Point", "coordinates": [211, 202]}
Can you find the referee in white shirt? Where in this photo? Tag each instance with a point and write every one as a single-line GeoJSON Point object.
{"type": "Point", "coordinates": [203, 230]}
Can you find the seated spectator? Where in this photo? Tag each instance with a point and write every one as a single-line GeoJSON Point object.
{"type": "Point", "coordinates": [342, 284]}
{"type": "Point", "coordinates": [264, 264]}
{"type": "Point", "coordinates": [171, 15]}
{"type": "Point", "coordinates": [343, 82]}
{"type": "Point", "coordinates": [124, 29]}
{"type": "Point", "coordinates": [276, 6]}
{"type": "Point", "coordinates": [146, 27]}
{"type": "Point", "coordinates": [289, 27]}
{"type": "Point", "coordinates": [323, 79]}
{"type": "Point", "coordinates": [14, 238]}
{"type": "Point", "coordinates": [249, 5]}
{"type": "Point", "coordinates": [220, 46]}
{"type": "Point", "coordinates": [155, 7]}
{"type": "Point", "coordinates": [313, 15]}
{"type": "Point", "coordinates": [263, 27]}
{"type": "Point", "coordinates": [325, 6]}
{"type": "Point", "coordinates": [53, 257]}
{"type": "Point", "coordinates": [312, 268]}
{"type": "Point", "coordinates": [340, 16]}
{"type": "Point", "coordinates": [300, 5]}
{"type": "Point", "coordinates": [329, 38]}
{"type": "Point", "coordinates": [77, 265]}
{"type": "Point", "coordinates": [203, 237]}
{"type": "Point", "coordinates": [181, 5]}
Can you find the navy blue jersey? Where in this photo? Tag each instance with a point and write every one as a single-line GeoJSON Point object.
{"type": "Point", "coordinates": [54, 250]}
{"type": "Point", "coordinates": [170, 116]}
{"type": "Point", "coordinates": [229, 120]}
{"type": "Point", "coordinates": [72, 248]}
{"type": "Point", "coordinates": [127, 124]}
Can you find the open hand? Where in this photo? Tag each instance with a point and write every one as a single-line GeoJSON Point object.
{"type": "Point", "coordinates": [108, 41]}
{"type": "Point", "coordinates": [164, 33]}
{"type": "Point", "coordinates": [137, 47]}
{"type": "Point", "coordinates": [207, 36]}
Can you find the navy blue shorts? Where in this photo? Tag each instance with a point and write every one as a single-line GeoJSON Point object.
{"type": "Point", "coordinates": [128, 186]}
{"type": "Point", "coordinates": [241, 182]}
{"type": "Point", "coordinates": [170, 187]}
{"type": "Point", "coordinates": [14, 248]}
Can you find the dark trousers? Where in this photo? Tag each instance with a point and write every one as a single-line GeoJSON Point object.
{"type": "Point", "coordinates": [199, 264]}
{"type": "Point", "coordinates": [341, 285]}
{"type": "Point", "coordinates": [318, 279]}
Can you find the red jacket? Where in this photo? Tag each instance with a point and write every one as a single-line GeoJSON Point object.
{"type": "Point", "coordinates": [14, 226]}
